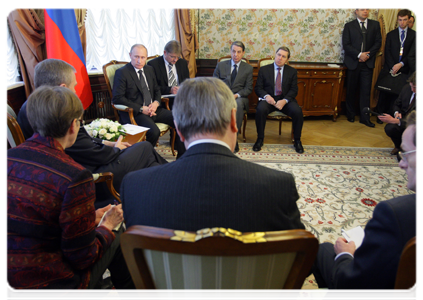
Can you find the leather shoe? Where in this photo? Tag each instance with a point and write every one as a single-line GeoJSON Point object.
{"type": "Point", "coordinates": [351, 120]}
{"type": "Point", "coordinates": [257, 146]}
{"type": "Point", "coordinates": [236, 148]}
{"type": "Point", "coordinates": [379, 121]}
{"type": "Point", "coordinates": [395, 151]}
{"type": "Point", "coordinates": [298, 147]}
{"type": "Point", "coordinates": [367, 123]}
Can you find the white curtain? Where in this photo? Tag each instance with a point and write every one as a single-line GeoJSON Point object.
{"type": "Point", "coordinates": [12, 65]}
{"type": "Point", "coordinates": [112, 32]}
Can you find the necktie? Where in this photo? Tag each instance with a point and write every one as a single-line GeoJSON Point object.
{"type": "Point", "coordinates": [278, 84]}
{"type": "Point", "coordinates": [412, 102]}
{"type": "Point", "coordinates": [402, 44]}
{"type": "Point", "coordinates": [144, 89]}
{"type": "Point", "coordinates": [363, 32]}
{"type": "Point", "coordinates": [172, 79]}
{"type": "Point", "coordinates": [233, 76]}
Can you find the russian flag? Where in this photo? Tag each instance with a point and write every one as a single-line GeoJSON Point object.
{"type": "Point", "coordinates": [63, 42]}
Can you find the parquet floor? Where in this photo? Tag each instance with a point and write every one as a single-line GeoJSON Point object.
{"type": "Point", "coordinates": [322, 131]}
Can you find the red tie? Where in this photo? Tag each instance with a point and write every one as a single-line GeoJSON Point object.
{"type": "Point", "coordinates": [278, 90]}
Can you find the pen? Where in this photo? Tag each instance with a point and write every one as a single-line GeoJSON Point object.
{"type": "Point", "coordinates": [344, 233]}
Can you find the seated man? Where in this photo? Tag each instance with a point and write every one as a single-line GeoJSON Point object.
{"type": "Point", "coordinates": [210, 186]}
{"type": "Point", "coordinates": [94, 154]}
{"type": "Point", "coordinates": [404, 104]}
{"type": "Point", "coordinates": [238, 76]}
{"type": "Point", "coordinates": [54, 236]}
{"type": "Point", "coordinates": [374, 264]}
{"type": "Point", "coordinates": [276, 88]}
{"type": "Point", "coordinates": [170, 70]}
{"type": "Point", "coordinates": [135, 85]}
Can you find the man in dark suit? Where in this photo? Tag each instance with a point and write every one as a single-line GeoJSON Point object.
{"type": "Point", "coordinates": [405, 104]}
{"type": "Point", "coordinates": [361, 40]}
{"type": "Point", "coordinates": [170, 70]}
{"type": "Point", "coordinates": [135, 85]}
{"type": "Point", "coordinates": [238, 76]}
{"type": "Point", "coordinates": [94, 154]}
{"type": "Point", "coordinates": [374, 264]}
{"type": "Point", "coordinates": [210, 186]}
{"type": "Point", "coordinates": [400, 49]}
{"type": "Point", "coordinates": [276, 88]}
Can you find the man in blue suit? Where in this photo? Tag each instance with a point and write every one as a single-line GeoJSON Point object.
{"type": "Point", "coordinates": [374, 264]}
{"type": "Point", "coordinates": [209, 186]}
{"type": "Point", "coordinates": [361, 40]}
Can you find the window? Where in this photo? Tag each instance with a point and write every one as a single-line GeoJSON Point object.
{"type": "Point", "coordinates": [112, 32]}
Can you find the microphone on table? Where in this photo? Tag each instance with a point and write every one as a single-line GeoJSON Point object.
{"type": "Point", "coordinates": [367, 110]}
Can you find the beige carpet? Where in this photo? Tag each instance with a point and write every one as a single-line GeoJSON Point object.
{"type": "Point", "coordinates": [338, 186]}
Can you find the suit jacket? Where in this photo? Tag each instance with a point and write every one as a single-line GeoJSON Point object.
{"type": "Point", "coordinates": [352, 40]}
{"type": "Point", "coordinates": [392, 50]}
{"type": "Point", "coordinates": [402, 103]}
{"type": "Point", "coordinates": [375, 263]}
{"type": "Point", "coordinates": [209, 187]}
{"type": "Point", "coordinates": [266, 83]}
{"type": "Point", "coordinates": [243, 84]}
{"type": "Point", "coordinates": [159, 67]}
{"type": "Point", "coordinates": [127, 87]}
{"type": "Point", "coordinates": [414, 56]}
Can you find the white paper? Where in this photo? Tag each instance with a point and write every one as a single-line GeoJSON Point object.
{"type": "Point", "coordinates": [134, 129]}
{"type": "Point", "coordinates": [102, 218]}
{"type": "Point", "coordinates": [334, 66]}
{"type": "Point", "coordinates": [167, 96]}
{"type": "Point", "coordinates": [356, 235]}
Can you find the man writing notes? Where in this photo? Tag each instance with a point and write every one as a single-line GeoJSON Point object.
{"type": "Point", "coordinates": [400, 49]}
{"type": "Point", "coordinates": [374, 264]}
{"type": "Point", "coordinates": [361, 40]}
{"type": "Point", "coordinates": [276, 88]}
{"type": "Point", "coordinates": [209, 186]}
{"type": "Point", "coordinates": [405, 104]}
{"type": "Point", "coordinates": [170, 70]}
{"type": "Point", "coordinates": [238, 76]}
{"type": "Point", "coordinates": [135, 85]}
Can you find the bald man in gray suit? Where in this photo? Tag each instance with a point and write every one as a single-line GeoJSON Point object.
{"type": "Point", "coordinates": [238, 76]}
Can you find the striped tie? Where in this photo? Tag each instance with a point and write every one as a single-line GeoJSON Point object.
{"type": "Point", "coordinates": [172, 80]}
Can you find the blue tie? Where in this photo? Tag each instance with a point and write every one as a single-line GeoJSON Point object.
{"type": "Point", "coordinates": [402, 43]}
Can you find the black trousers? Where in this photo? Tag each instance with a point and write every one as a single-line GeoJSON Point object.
{"type": "Point", "coordinates": [359, 79]}
{"type": "Point", "coordinates": [395, 133]}
{"type": "Point", "coordinates": [291, 109]}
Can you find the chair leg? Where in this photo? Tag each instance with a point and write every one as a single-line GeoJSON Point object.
{"type": "Point", "coordinates": [244, 126]}
{"type": "Point", "coordinates": [280, 126]}
{"type": "Point", "coordinates": [172, 144]}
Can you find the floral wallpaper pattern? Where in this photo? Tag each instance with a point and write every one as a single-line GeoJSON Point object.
{"type": "Point", "coordinates": [313, 35]}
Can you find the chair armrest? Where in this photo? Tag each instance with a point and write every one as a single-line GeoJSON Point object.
{"type": "Point", "coordinates": [166, 101]}
{"type": "Point", "coordinates": [107, 177]}
{"type": "Point", "coordinates": [127, 109]}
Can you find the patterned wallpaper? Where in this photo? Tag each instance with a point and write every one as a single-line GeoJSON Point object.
{"type": "Point", "coordinates": [313, 35]}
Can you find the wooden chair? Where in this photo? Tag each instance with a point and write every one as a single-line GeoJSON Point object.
{"type": "Point", "coordinates": [106, 177]}
{"type": "Point", "coordinates": [228, 57]}
{"type": "Point", "coordinates": [109, 70]}
{"type": "Point", "coordinates": [15, 136]}
{"type": "Point", "coordinates": [218, 258]}
{"type": "Point", "coordinates": [406, 274]}
{"type": "Point", "coordinates": [276, 115]}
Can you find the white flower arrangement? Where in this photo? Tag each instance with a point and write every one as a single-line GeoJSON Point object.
{"type": "Point", "coordinates": [105, 129]}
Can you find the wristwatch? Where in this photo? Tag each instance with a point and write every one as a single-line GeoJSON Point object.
{"type": "Point", "coordinates": [141, 108]}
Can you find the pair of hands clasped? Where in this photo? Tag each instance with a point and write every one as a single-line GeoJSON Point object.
{"type": "Point", "coordinates": [151, 109]}
{"type": "Point", "coordinates": [113, 217]}
{"type": "Point", "coordinates": [278, 104]}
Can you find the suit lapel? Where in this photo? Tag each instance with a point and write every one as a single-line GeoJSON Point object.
{"type": "Point", "coordinates": [162, 68]}
{"type": "Point", "coordinates": [134, 76]}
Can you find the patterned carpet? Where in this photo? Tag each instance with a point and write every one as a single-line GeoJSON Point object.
{"type": "Point", "coordinates": [338, 186]}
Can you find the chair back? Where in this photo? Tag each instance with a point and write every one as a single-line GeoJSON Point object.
{"type": "Point", "coordinates": [265, 61]}
{"type": "Point", "coordinates": [218, 258]}
{"type": "Point", "coordinates": [406, 274]}
{"type": "Point", "coordinates": [151, 57]}
{"type": "Point", "coordinates": [109, 71]}
{"type": "Point", "coordinates": [228, 57]}
{"type": "Point", "coordinates": [15, 136]}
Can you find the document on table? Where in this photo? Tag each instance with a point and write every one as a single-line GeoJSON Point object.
{"type": "Point", "coordinates": [356, 235]}
{"type": "Point", "coordinates": [167, 96]}
{"type": "Point", "coordinates": [134, 129]}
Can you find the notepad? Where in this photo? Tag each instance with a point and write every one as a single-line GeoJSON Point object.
{"type": "Point", "coordinates": [356, 235]}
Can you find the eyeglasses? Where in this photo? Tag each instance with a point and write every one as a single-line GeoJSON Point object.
{"type": "Point", "coordinates": [81, 122]}
{"type": "Point", "coordinates": [403, 155]}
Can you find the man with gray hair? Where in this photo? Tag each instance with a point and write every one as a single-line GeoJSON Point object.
{"type": "Point", "coordinates": [170, 70]}
{"type": "Point", "coordinates": [238, 76]}
{"type": "Point", "coordinates": [209, 186]}
{"type": "Point", "coordinates": [94, 154]}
